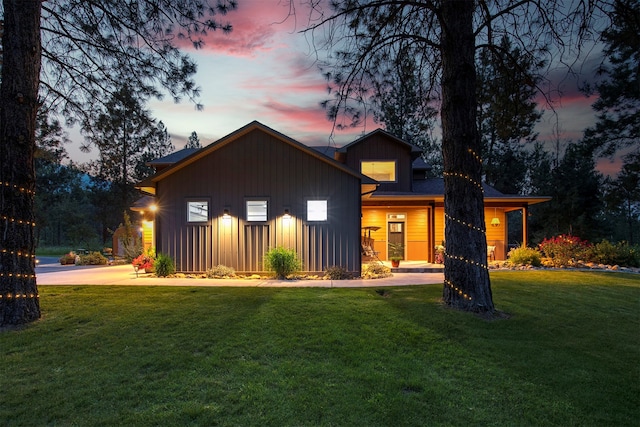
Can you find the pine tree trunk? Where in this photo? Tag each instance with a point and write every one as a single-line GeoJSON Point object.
{"type": "Point", "coordinates": [19, 301]}
{"type": "Point", "coordinates": [467, 284]}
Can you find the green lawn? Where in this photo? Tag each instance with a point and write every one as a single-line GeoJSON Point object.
{"type": "Point", "coordinates": [568, 355]}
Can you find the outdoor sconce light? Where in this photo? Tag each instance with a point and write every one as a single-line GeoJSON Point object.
{"type": "Point", "coordinates": [286, 215]}
{"type": "Point", "coordinates": [495, 222]}
{"type": "Point", "coordinates": [153, 207]}
{"type": "Point", "coordinates": [226, 218]}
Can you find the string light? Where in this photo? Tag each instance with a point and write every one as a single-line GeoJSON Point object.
{"type": "Point", "coordinates": [471, 226]}
{"type": "Point", "coordinates": [468, 261]}
{"type": "Point", "coordinates": [19, 221]}
{"type": "Point", "coordinates": [19, 275]}
{"type": "Point", "coordinates": [18, 253]}
{"type": "Point", "coordinates": [475, 155]}
{"type": "Point", "coordinates": [465, 177]}
{"type": "Point", "coordinates": [458, 290]}
{"type": "Point", "coordinates": [18, 296]}
{"type": "Point", "coordinates": [16, 187]}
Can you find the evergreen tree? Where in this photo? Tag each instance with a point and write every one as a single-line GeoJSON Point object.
{"type": "Point", "coordinates": [576, 205]}
{"type": "Point", "coordinates": [402, 102]}
{"type": "Point", "coordinates": [85, 49]}
{"type": "Point", "coordinates": [193, 141]}
{"type": "Point", "coordinates": [507, 113]}
{"type": "Point", "coordinates": [618, 104]}
{"type": "Point", "coordinates": [623, 198]}
{"type": "Point", "coordinates": [126, 137]}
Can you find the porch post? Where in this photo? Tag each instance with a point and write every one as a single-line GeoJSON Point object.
{"type": "Point", "coordinates": [432, 233]}
{"type": "Point", "coordinates": [525, 215]}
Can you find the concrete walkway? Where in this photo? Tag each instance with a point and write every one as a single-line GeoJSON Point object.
{"type": "Point", "coordinates": [124, 275]}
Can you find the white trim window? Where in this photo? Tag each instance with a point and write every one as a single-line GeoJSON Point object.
{"type": "Point", "coordinates": [257, 210]}
{"type": "Point", "coordinates": [197, 211]}
{"type": "Point", "coordinates": [317, 210]}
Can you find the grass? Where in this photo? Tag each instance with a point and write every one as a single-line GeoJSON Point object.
{"type": "Point", "coordinates": [568, 355]}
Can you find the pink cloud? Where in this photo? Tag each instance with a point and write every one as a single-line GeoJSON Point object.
{"type": "Point", "coordinates": [309, 123]}
{"type": "Point", "coordinates": [256, 24]}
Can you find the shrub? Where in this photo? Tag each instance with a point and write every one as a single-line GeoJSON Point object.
{"type": "Point", "coordinates": [337, 273]}
{"type": "Point", "coordinates": [68, 258]}
{"type": "Point", "coordinates": [283, 262]}
{"type": "Point", "coordinates": [563, 250]}
{"type": "Point", "coordinates": [92, 258]}
{"type": "Point", "coordinates": [525, 256]}
{"type": "Point", "coordinates": [375, 270]}
{"type": "Point", "coordinates": [164, 266]}
{"type": "Point", "coordinates": [620, 253]}
{"type": "Point", "coordinates": [146, 260]}
{"type": "Point", "coordinates": [220, 271]}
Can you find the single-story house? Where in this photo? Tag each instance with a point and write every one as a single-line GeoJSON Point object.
{"type": "Point", "coordinates": [254, 189]}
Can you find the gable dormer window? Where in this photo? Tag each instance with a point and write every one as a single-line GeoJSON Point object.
{"type": "Point", "coordinates": [380, 170]}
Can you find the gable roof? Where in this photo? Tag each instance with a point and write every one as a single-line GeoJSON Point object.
{"type": "Point", "coordinates": [172, 158]}
{"type": "Point", "coordinates": [148, 185]}
{"type": "Point", "coordinates": [415, 150]}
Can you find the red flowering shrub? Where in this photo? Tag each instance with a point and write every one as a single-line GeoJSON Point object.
{"type": "Point", "coordinates": [145, 261]}
{"type": "Point", "coordinates": [563, 250]}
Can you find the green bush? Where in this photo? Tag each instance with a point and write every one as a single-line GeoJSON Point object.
{"type": "Point", "coordinates": [92, 258]}
{"type": "Point", "coordinates": [164, 266]}
{"type": "Point", "coordinates": [337, 273]}
{"type": "Point", "coordinates": [283, 262]}
{"type": "Point", "coordinates": [525, 256]}
{"type": "Point", "coordinates": [220, 271]}
{"type": "Point", "coordinates": [375, 270]}
{"type": "Point", "coordinates": [620, 253]}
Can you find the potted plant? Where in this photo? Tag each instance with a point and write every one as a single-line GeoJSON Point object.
{"type": "Point", "coordinates": [396, 253]}
{"type": "Point", "coordinates": [395, 261]}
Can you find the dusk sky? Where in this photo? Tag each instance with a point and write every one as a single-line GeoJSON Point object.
{"type": "Point", "coordinates": [264, 70]}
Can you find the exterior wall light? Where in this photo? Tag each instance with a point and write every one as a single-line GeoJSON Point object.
{"type": "Point", "coordinates": [495, 222]}
{"type": "Point", "coordinates": [286, 215]}
{"type": "Point", "coordinates": [226, 217]}
{"type": "Point", "coordinates": [153, 207]}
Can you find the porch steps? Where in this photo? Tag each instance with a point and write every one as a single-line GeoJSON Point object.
{"type": "Point", "coordinates": [415, 267]}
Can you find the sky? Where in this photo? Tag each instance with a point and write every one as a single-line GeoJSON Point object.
{"type": "Point", "coordinates": [265, 70]}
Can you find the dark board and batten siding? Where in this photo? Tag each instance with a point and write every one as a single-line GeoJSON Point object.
{"type": "Point", "coordinates": [259, 165]}
{"type": "Point", "coordinates": [378, 146]}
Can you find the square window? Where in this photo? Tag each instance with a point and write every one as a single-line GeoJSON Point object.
{"type": "Point", "coordinates": [380, 170]}
{"type": "Point", "coordinates": [256, 210]}
{"type": "Point", "coordinates": [316, 210]}
{"type": "Point", "coordinates": [197, 211]}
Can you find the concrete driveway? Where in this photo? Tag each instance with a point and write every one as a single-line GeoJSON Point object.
{"type": "Point", "coordinates": [50, 272]}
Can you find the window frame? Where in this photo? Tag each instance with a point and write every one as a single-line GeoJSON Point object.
{"type": "Point", "coordinates": [203, 200]}
{"type": "Point", "coordinates": [395, 168]}
{"type": "Point", "coordinates": [326, 208]}
{"type": "Point", "coordinates": [248, 200]}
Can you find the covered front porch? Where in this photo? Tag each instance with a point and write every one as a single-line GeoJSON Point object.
{"type": "Point", "coordinates": [413, 229]}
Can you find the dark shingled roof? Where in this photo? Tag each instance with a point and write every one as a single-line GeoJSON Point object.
{"type": "Point", "coordinates": [435, 186]}
{"type": "Point", "coordinates": [174, 157]}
